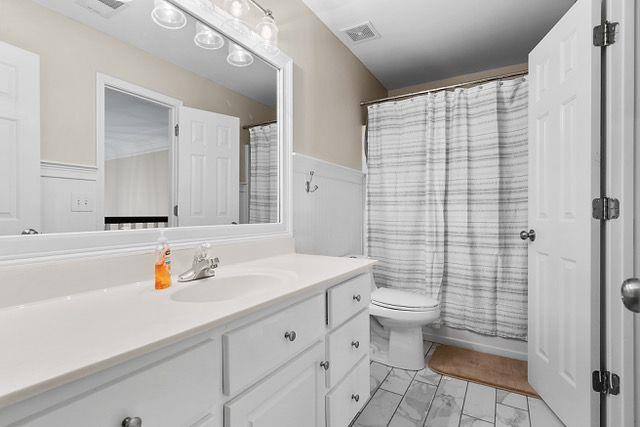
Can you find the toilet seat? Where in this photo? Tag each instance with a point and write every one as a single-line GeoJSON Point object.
{"type": "Point", "coordinates": [397, 299]}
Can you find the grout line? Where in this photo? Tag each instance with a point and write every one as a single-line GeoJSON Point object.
{"type": "Point", "coordinates": [529, 412]}
{"type": "Point", "coordinates": [405, 393]}
{"type": "Point", "coordinates": [432, 400]}
{"type": "Point", "coordinates": [372, 393]}
{"type": "Point", "coordinates": [464, 400]}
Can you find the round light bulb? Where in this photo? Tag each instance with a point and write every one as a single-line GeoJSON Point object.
{"type": "Point", "coordinates": [237, 8]}
{"type": "Point", "coordinates": [239, 57]}
{"type": "Point", "coordinates": [206, 38]}
{"type": "Point", "coordinates": [168, 16]}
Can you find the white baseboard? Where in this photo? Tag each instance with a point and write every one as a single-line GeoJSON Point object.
{"type": "Point", "coordinates": [514, 349]}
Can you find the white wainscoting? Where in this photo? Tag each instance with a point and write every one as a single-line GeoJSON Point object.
{"type": "Point", "coordinates": [328, 221]}
{"type": "Point", "coordinates": [61, 184]}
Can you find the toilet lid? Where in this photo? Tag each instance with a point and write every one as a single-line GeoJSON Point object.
{"type": "Point", "coordinates": [402, 300]}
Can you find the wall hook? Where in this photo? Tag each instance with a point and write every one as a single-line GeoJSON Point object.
{"type": "Point", "coordinates": [308, 183]}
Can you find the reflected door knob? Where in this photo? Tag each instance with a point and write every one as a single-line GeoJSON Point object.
{"type": "Point", "coordinates": [325, 365]}
{"type": "Point", "coordinates": [355, 397]}
{"type": "Point", "coordinates": [357, 298]}
{"type": "Point", "coordinates": [631, 294]}
{"type": "Point", "coordinates": [132, 422]}
{"type": "Point", "coordinates": [355, 344]}
{"type": "Point", "coordinates": [290, 335]}
{"type": "Point", "coordinates": [531, 235]}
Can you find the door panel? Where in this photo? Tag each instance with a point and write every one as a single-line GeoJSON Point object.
{"type": "Point", "coordinates": [19, 140]}
{"type": "Point", "coordinates": [209, 164]}
{"type": "Point", "coordinates": [564, 176]}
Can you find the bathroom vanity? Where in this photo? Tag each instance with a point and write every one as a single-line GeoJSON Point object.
{"type": "Point", "coordinates": [279, 341]}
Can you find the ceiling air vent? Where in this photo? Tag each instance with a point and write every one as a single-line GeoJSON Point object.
{"type": "Point", "coordinates": [104, 8]}
{"type": "Point", "coordinates": [361, 33]}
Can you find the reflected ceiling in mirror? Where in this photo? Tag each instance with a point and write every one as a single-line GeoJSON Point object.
{"type": "Point", "coordinates": [139, 116]}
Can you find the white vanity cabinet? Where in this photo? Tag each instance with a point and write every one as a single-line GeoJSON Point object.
{"type": "Point", "coordinates": [299, 363]}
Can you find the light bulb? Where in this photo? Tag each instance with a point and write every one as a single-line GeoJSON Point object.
{"type": "Point", "coordinates": [237, 8]}
{"type": "Point", "coordinates": [239, 57]}
{"type": "Point", "coordinates": [206, 38]}
{"type": "Point", "coordinates": [268, 31]}
{"type": "Point", "coordinates": [168, 16]}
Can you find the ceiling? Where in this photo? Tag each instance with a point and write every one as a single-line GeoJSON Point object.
{"type": "Point", "coordinates": [132, 24]}
{"type": "Point", "coordinates": [134, 126]}
{"type": "Point", "coordinates": [427, 40]}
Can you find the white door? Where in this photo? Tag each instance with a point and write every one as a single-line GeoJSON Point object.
{"type": "Point", "coordinates": [19, 140]}
{"type": "Point", "coordinates": [208, 169]}
{"type": "Point", "coordinates": [291, 397]}
{"type": "Point", "coordinates": [564, 168]}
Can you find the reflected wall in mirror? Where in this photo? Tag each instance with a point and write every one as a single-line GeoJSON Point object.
{"type": "Point", "coordinates": [131, 115]}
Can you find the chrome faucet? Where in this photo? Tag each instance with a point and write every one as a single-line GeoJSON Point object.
{"type": "Point", "coordinates": [202, 267]}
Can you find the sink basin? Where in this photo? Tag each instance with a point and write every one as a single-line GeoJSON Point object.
{"type": "Point", "coordinates": [227, 288]}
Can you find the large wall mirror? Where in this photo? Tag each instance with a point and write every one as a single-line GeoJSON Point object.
{"type": "Point", "coordinates": [134, 115]}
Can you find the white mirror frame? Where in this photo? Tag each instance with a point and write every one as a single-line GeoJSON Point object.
{"type": "Point", "coordinates": [49, 247]}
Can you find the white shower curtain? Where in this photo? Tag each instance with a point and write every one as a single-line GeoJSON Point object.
{"type": "Point", "coordinates": [446, 198]}
{"type": "Point", "coordinates": [263, 174]}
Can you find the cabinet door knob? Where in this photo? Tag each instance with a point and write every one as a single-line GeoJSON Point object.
{"type": "Point", "coordinates": [290, 335]}
{"type": "Point", "coordinates": [132, 422]}
{"type": "Point", "coordinates": [355, 344]}
{"type": "Point", "coordinates": [357, 298]}
{"type": "Point", "coordinates": [355, 397]}
{"type": "Point", "coordinates": [325, 365]}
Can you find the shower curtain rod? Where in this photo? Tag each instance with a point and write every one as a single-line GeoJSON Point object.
{"type": "Point", "coordinates": [270, 122]}
{"type": "Point", "coordinates": [439, 89]}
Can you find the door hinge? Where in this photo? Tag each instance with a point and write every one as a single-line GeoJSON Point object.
{"type": "Point", "coordinates": [177, 130]}
{"type": "Point", "coordinates": [175, 210]}
{"type": "Point", "coordinates": [604, 382]}
{"type": "Point", "coordinates": [605, 208]}
{"type": "Point", "coordinates": [605, 34]}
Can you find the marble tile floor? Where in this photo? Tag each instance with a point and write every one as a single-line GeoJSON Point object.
{"type": "Point", "coordinates": [401, 398]}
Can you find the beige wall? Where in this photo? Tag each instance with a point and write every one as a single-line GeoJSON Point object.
{"type": "Point", "coordinates": [70, 56]}
{"type": "Point", "coordinates": [460, 79]}
{"type": "Point", "coordinates": [329, 83]}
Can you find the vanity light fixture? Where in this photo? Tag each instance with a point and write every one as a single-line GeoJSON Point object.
{"type": "Point", "coordinates": [239, 57]}
{"type": "Point", "coordinates": [206, 38]}
{"type": "Point", "coordinates": [168, 16]}
{"type": "Point", "coordinates": [268, 32]}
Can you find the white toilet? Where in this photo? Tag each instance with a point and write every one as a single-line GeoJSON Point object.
{"type": "Point", "coordinates": [403, 314]}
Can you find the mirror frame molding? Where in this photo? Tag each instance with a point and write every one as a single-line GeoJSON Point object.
{"type": "Point", "coordinates": [58, 246]}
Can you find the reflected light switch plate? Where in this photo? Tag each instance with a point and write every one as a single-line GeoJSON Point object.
{"type": "Point", "coordinates": [81, 202]}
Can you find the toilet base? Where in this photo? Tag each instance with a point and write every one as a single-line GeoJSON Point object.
{"type": "Point", "coordinates": [406, 348]}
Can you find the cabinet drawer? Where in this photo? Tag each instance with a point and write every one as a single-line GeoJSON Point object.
{"type": "Point", "coordinates": [349, 397]}
{"type": "Point", "coordinates": [253, 350]}
{"type": "Point", "coordinates": [348, 298]}
{"type": "Point", "coordinates": [176, 392]}
{"type": "Point", "coordinates": [347, 345]}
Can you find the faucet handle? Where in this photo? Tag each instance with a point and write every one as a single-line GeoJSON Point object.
{"type": "Point", "coordinates": [201, 253]}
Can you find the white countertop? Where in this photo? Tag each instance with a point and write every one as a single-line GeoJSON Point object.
{"type": "Point", "coordinates": [51, 343]}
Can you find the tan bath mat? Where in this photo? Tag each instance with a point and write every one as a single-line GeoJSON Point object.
{"type": "Point", "coordinates": [495, 371]}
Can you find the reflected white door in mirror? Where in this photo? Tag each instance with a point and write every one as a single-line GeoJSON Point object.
{"type": "Point", "coordinates": [146, 124]}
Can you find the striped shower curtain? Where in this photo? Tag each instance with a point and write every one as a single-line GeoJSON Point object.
{"type": "Point", "coordinates": [263, 174]}
{"type": "Point", "coordinates": [446, 198]}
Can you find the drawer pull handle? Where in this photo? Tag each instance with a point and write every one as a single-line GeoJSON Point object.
{"type": "Point", "coordinates": [357, 298]}
{"type": "Point", "coordinates": [355, 397]}
{"type": "Point", "coordinates": [325, 365]}
{"type": "Point", "coordinates": [132, 422]}
{"type": "Point", "coordinates": [290, 335]}
{"type": "Point", "coordinates": [355, 344]}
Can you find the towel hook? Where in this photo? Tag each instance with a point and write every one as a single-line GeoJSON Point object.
{"type": "Point", "coordinates": [308, 183]}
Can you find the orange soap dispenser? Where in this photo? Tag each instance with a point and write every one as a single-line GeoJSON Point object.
{"type": "Point", "coordinates": [163, 263]}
